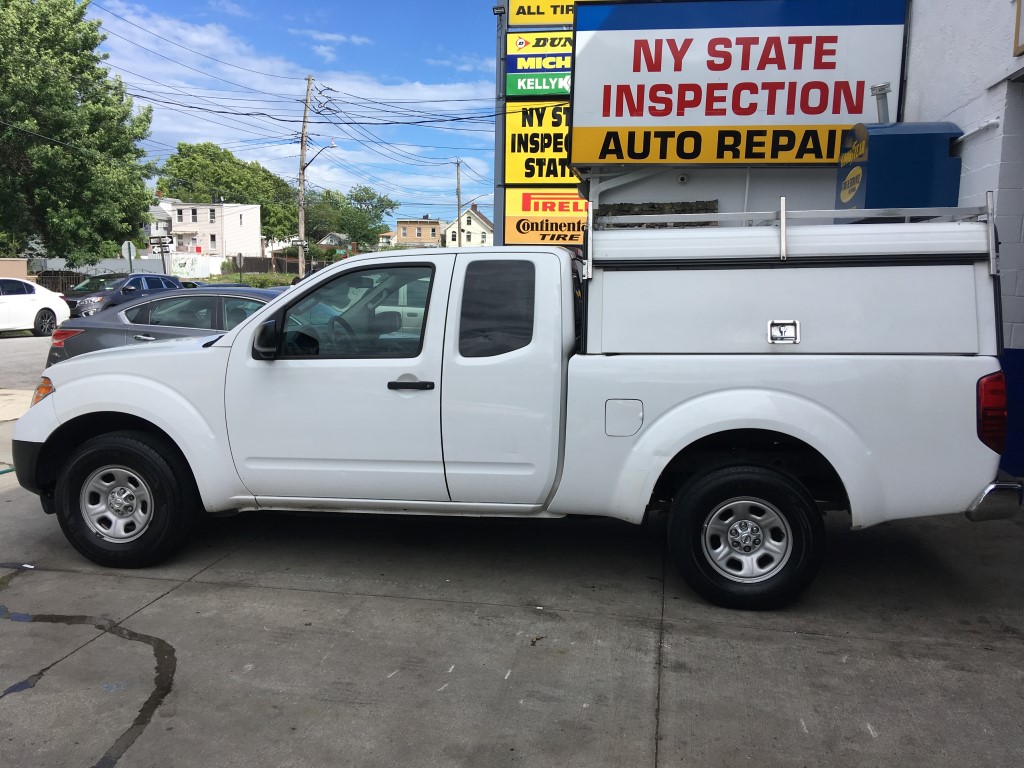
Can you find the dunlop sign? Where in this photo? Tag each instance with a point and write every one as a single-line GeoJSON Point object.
{"type": "Point", "coordinates": [535, 143]}
{"type": "Point", "coordinates": [743, 82]}
{"type": "Point", "coordinates": [538, 64]}
{"type": "Point", "coordinates": [539, 215]}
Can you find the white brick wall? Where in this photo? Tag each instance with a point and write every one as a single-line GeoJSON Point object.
{"type": "Point", "coordinates": [959, 66]}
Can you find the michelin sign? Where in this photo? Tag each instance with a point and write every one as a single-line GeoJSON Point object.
{"type": "Point", "coordinates": [538, 64]}
{"type": "Point", "coordinates": [743, 82]}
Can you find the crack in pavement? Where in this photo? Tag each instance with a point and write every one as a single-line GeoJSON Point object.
{"type": "Point", "coordinates": [163, 652]}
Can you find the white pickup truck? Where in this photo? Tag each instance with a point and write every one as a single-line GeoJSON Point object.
{"type": "Point", "coordinates": [745, 379]}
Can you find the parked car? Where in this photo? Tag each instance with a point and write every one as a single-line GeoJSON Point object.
{"type": "Point", "coordinates": [203, 284]}
{"type": "Point", "coordinates": [171, 315]}
{"type": "Point", "coordinates": [25, 306]}
{"type": "Point", "coordinates": [102, 291]}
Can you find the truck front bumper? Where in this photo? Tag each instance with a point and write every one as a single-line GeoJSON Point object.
{"type": "Point", "coordinates": [998, 501]}
{"type": "Point", "coordinates": [26, 463]}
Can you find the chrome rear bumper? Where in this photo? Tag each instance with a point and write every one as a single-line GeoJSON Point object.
{"type": "Point", "coordinates": [998, 501]}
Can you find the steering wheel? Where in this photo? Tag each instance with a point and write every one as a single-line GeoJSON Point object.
{"type": "Point", "coordinates": [342, 334]}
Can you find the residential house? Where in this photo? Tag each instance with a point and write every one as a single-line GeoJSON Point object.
{"type": "Point", "coordinates": [161, 224]}
{"type": "Point", "coordinates": [419, 233]}
{"type": "Point", "coordinates": [386, 240]}
{"type": "Point", "coordinates": [476, 228]}
{"type": "Point", "coordinates": [340, 244]}
{"type": "Point", "coordinates": [217, 229]}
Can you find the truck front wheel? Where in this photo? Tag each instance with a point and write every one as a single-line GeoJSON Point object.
{"type": "Point", "coordinates": [747, 537]}
{"type": "Point", "coordinates": [122, 500]}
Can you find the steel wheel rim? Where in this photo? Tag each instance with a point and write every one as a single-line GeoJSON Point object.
{"type": "Point", "coordinates": [48, 322]}
{"type": "Point", "coordinates": [116, 504]}
{"type": "Point", "coordinates": [747, 540]}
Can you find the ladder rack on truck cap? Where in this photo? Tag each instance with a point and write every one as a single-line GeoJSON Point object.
{"type": "Point", "coordinates": [917, 234]}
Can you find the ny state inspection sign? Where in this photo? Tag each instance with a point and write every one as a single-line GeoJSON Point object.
{"type": "Point", "coordinates": [743, 82]}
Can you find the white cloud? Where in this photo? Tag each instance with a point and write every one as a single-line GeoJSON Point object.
{"type": "Point", "coordinates": [259, 116]}
{"type": "Point", "coordinates": [228, 7]}
{"type": "Point", "coordinates": [464, 63]}
{"type": "Point", "coordinates": [331, 37]}
{"type": "Point", "coordinates": [325, 52]}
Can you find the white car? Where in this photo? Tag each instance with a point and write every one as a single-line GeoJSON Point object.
{"type": "Point", "coordinates": [25, 306]}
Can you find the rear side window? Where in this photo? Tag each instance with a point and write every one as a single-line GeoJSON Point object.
{"type": "Point", "coordinates": [237, 309]}
{"type": "Point", "coordinates": [497, 308]}
{"type": "Point", "coordinates": [180, 312]}
{"type": "Point", "coordinates": [15, 288]}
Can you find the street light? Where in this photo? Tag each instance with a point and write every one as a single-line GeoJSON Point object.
{"type": "Point", "coordinates": [303, 165]}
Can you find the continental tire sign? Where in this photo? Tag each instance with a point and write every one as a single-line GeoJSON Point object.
{"type": "Point", "coordinates": [744, 82]}
{"type": "Point", "coordinates": [544, 215]}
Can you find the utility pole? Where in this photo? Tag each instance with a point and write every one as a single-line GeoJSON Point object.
{"type": "Point", "coordinates": [458, 199]}
{"type": "Point", "coordinates": [302, 180]}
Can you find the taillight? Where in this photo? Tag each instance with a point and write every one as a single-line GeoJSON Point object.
{"type": "Point", "coordinates": [992, 411]}
{"type": "Point", "coordinates": [63, 334]}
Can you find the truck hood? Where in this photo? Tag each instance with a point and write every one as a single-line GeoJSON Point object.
{"type": "Point", "coordinates": [191, 356]}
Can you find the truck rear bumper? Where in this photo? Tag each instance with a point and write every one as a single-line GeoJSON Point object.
{"type": "Point", "coordinates": [998, 501]}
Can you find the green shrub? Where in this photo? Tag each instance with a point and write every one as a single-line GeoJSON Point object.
{"type": "Point", "coordinates": [268, 280]}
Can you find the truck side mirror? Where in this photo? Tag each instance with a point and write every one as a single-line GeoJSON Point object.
{"type": "Point", "coordinates": [267, 341]}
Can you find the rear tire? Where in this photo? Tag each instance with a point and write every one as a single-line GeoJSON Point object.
{"type": "Point", "coordinates": [126, 500]}
{"type": "Point", "coordinates": [747, 537]}
{"type": "Point", "coordinates": [45, 323]}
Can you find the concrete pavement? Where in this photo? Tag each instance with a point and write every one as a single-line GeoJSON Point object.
{"type": "Point", "coordinates": [13, 403]}
{"type": "Point", "coordinates": [309, 641]}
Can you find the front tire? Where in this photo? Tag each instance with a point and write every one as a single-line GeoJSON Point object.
{"type": "Point", "coordinates": [747, 537]}
{"type": "Point", "coordinates": [125, 500]}
{"type": "Point", "coordinates": [45, 323]}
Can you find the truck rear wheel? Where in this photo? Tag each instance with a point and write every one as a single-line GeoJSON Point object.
{"type": "Point", "coordinates": [747, 537]}
{"type": "Point", "coordinates": [123, 500]}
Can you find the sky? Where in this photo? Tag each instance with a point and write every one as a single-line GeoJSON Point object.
{"type": "Point", "coordinates": [403, 89]}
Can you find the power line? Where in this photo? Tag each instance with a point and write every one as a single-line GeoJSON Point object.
{"type": "Point", "coordinates": [181, 64]}
{"type": "Point", "coordinates": [190, 50]}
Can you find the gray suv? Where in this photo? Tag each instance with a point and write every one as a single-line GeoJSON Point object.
{"type": "Point", "coordinates": [102, 291]}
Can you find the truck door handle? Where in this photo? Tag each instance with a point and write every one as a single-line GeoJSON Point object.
{"type": "Point", "coordinates": [144, 337]}
{"type": "Point", "coordinates": [410, 385]}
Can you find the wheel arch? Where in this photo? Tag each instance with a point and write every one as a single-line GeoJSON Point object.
{"type": "Point", "coordinates": [770, 428]}
{"type": "Point", "coordinates": [71, 434]}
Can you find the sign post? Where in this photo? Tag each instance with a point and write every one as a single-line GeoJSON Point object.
{"type": "Point", "coordinates": [128, 250]}
{"type": "Point", "coordinates": [161, 244]}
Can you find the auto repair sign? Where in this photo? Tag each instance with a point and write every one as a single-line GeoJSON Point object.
{"type": "Point", "coordinates": [736, 81]}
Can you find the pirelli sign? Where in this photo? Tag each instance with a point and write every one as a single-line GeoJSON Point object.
{"type": "Point", "coordinates": [744, 82]}
{"type": "Point", "coordinates": [544, 215]}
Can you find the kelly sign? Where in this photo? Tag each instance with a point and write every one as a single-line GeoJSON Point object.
{"type": "Point", "coordinates": [538, 63]}
{"type": "Point", "coordinates": [745, 82]}
{"type": "Point", "coordinates": [539, 215]}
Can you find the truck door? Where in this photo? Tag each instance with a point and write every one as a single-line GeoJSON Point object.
{"type": "Point", "coordinates": [504, 377]}
{"type": "Point", "coordinates": [350, 408]}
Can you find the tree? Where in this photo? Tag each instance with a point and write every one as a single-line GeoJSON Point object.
{"type": "Point", "coordinates": [359, 213]}
{"type": "Point", "coordinates": [71, 170]}
{"type": "Point", "coordinates": [201, 172]}
{"type": "Point", "coordinates": [366, 219]}
{"type": "Point", "coordinates": [324, 213]}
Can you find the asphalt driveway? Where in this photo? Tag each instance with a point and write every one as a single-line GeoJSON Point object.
{"type": "Point", "coordinates": [280, 640]}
